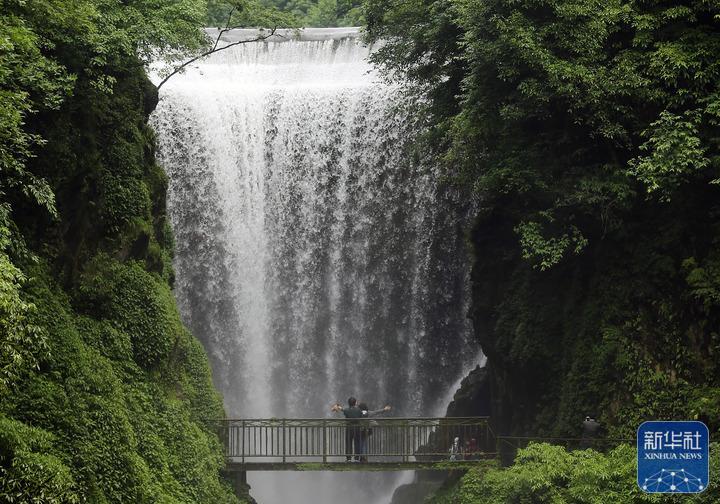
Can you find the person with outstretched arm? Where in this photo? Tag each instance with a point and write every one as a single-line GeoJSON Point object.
{"type": "Point", "coordinates": [366, 430]}
{"type": "Point", "coordinates": [353, 414]}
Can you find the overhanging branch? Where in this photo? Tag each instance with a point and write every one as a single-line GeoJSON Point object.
{"type": "Point", "coordinates": [215, 47]}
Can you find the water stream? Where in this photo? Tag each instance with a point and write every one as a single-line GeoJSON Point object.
{"type": "Point", "coordinates": [315, 257]}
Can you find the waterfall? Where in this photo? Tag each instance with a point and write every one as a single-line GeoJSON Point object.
{"type": "Point", "coordinates": [316, 257]}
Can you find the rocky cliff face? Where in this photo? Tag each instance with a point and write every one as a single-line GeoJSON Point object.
{"type": "Point", "coordinates": [625, 331]}
{"type": "Point", "coordinates": [473, 398]}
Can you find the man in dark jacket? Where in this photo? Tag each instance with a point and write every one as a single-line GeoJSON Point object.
{"type": "Point", "coordinates": [352, 431]}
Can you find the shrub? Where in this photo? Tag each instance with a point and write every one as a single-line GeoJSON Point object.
{"type": "Point", "coordinates": [133, 301]}
{"type": "Point", "coordinates": [548, 473]}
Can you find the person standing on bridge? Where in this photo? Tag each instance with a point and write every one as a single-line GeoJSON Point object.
{"type": "Point", "coordinates": [366, 430]}
{"type": "Point", "coordinates": [352, 430]}
{"type": "Point", "coordinates": [590, 431]}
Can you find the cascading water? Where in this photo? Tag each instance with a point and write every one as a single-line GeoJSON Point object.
{"type": "Point", "coordinates": [314, 258]}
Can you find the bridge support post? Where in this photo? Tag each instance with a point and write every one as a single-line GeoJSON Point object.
{"type": "Point", "coordinates": [238, 481]}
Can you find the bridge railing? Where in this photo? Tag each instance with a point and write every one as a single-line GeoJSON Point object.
{"type": "Point", "coordinates": [325, 439]}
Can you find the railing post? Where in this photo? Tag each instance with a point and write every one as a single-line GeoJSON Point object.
{"type": "Point", "coordinates": [225, 435]}
{"type": "Point", "coordinates": [242, 439]}
{"type": "Point", "coordinates": [283, 436]}
{"type": "Point", "coordinates": [324, 441]}
{"type": "Point", "coordinates": [406, 441]}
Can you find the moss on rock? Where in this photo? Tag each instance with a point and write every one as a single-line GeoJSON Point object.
{"type": "Point", "coordinates": [118, 406]}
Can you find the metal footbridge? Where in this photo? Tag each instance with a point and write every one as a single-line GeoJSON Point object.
{"type": "Point", "coordinates": [379, 444]}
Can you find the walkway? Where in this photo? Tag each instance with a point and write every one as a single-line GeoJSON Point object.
{"type": "Point", "coordinates": [320, 444]}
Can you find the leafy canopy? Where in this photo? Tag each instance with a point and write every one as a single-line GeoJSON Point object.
{"type": "Point", "coordinates": [563, 112]}
{"type": "Point", "coordinates": [547, 473]}
{"type": "Point", "coordinates": [315, 13]}
{"type": "Point", "coordinates": [47, 46]}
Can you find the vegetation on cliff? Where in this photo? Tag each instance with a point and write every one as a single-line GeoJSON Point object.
{"type": "Point", "coordinates": [589, 135]}
{"type": "Point", "coordinates": [303, 13]}
{"type": "Point", "coordinates": [104, 396]}
{"type": "Point", "coordinates": [547, 473]}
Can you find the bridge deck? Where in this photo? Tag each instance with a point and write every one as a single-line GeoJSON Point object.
{"type": "Point", "coordinates": [444, 465]}
{"type": "Point", "coordinates": [385, 444]}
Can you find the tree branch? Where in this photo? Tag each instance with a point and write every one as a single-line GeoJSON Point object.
{"type": "Point", "coordinates": [216, 49]}
{"type": "Point", "coordinates": [227, 28]}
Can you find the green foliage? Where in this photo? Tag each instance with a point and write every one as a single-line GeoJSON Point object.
{"type": "Point", "coordinates": [563, 95]}
{"type": "Point", "coordinates": [705, 403]}
{"type": "Point", "coordinates": [20, 339]}
{"type": "Point", "coordinates": [104, 396]}
{"type": "Point", "coordinates": [27, 472]}
{"type": "Point", "coordinates": [704, 281]}
{"type": "Point", "coordinates": [323, 13]}
{"type": "Point", "coordinates": [588, 133]}
{"type": "Point", "coordinates": [285, 13]}
{"type": "Point", "coordinates": [675, 153]}
{"type": "Point", "coordinates": [24, 73]}
{"type": "Point", "coordinates": [135, 302]}
{"type": "Point", "coordinates": [17, 335]}
{"type": "Point", "coordinates": [547, 251]}
{"type": "Point", "coordinates": [421, 44]}
{"type": "Point", "coordinates": [124, 435]}
{"type": "Point", "coordinates": [546, 473]}
{"type": "Point", "coordinates": [123, 199]}
{"type": "Point", "coordinates": [48, 48]}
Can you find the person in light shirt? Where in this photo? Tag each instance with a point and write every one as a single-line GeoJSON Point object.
{"type": "Point", "coordinates": [352, 430]}
{"type": "Point", "coordinates": [366, 430]}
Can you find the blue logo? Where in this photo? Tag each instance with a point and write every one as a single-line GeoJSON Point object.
{"type": "Point", "coordinates": [673, 457]}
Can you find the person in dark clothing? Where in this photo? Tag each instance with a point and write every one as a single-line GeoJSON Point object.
{"type": "Point", "coordinates": [471, 449]}
{"type": "Point", "coordinates": [353, 414]}
{"type": "Point", "coordinates": [366, 430]}
{"type": "Point", "coordinates": [590, 430]}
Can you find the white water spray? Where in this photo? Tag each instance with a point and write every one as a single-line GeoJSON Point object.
{"type": "Point", "coordinates": [314, 259]}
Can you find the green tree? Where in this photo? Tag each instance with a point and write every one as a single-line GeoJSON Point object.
{"type": "Point", "coordinates": [323, 13]}
{"type": "Point", "coordinates": [22, 343]}
{"type": "Point", "coordinates": [47, 47]}
{"type": "Point", "coordinates": [588, 135]}
{"type": "Point", "coordinates": [564, 105]}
